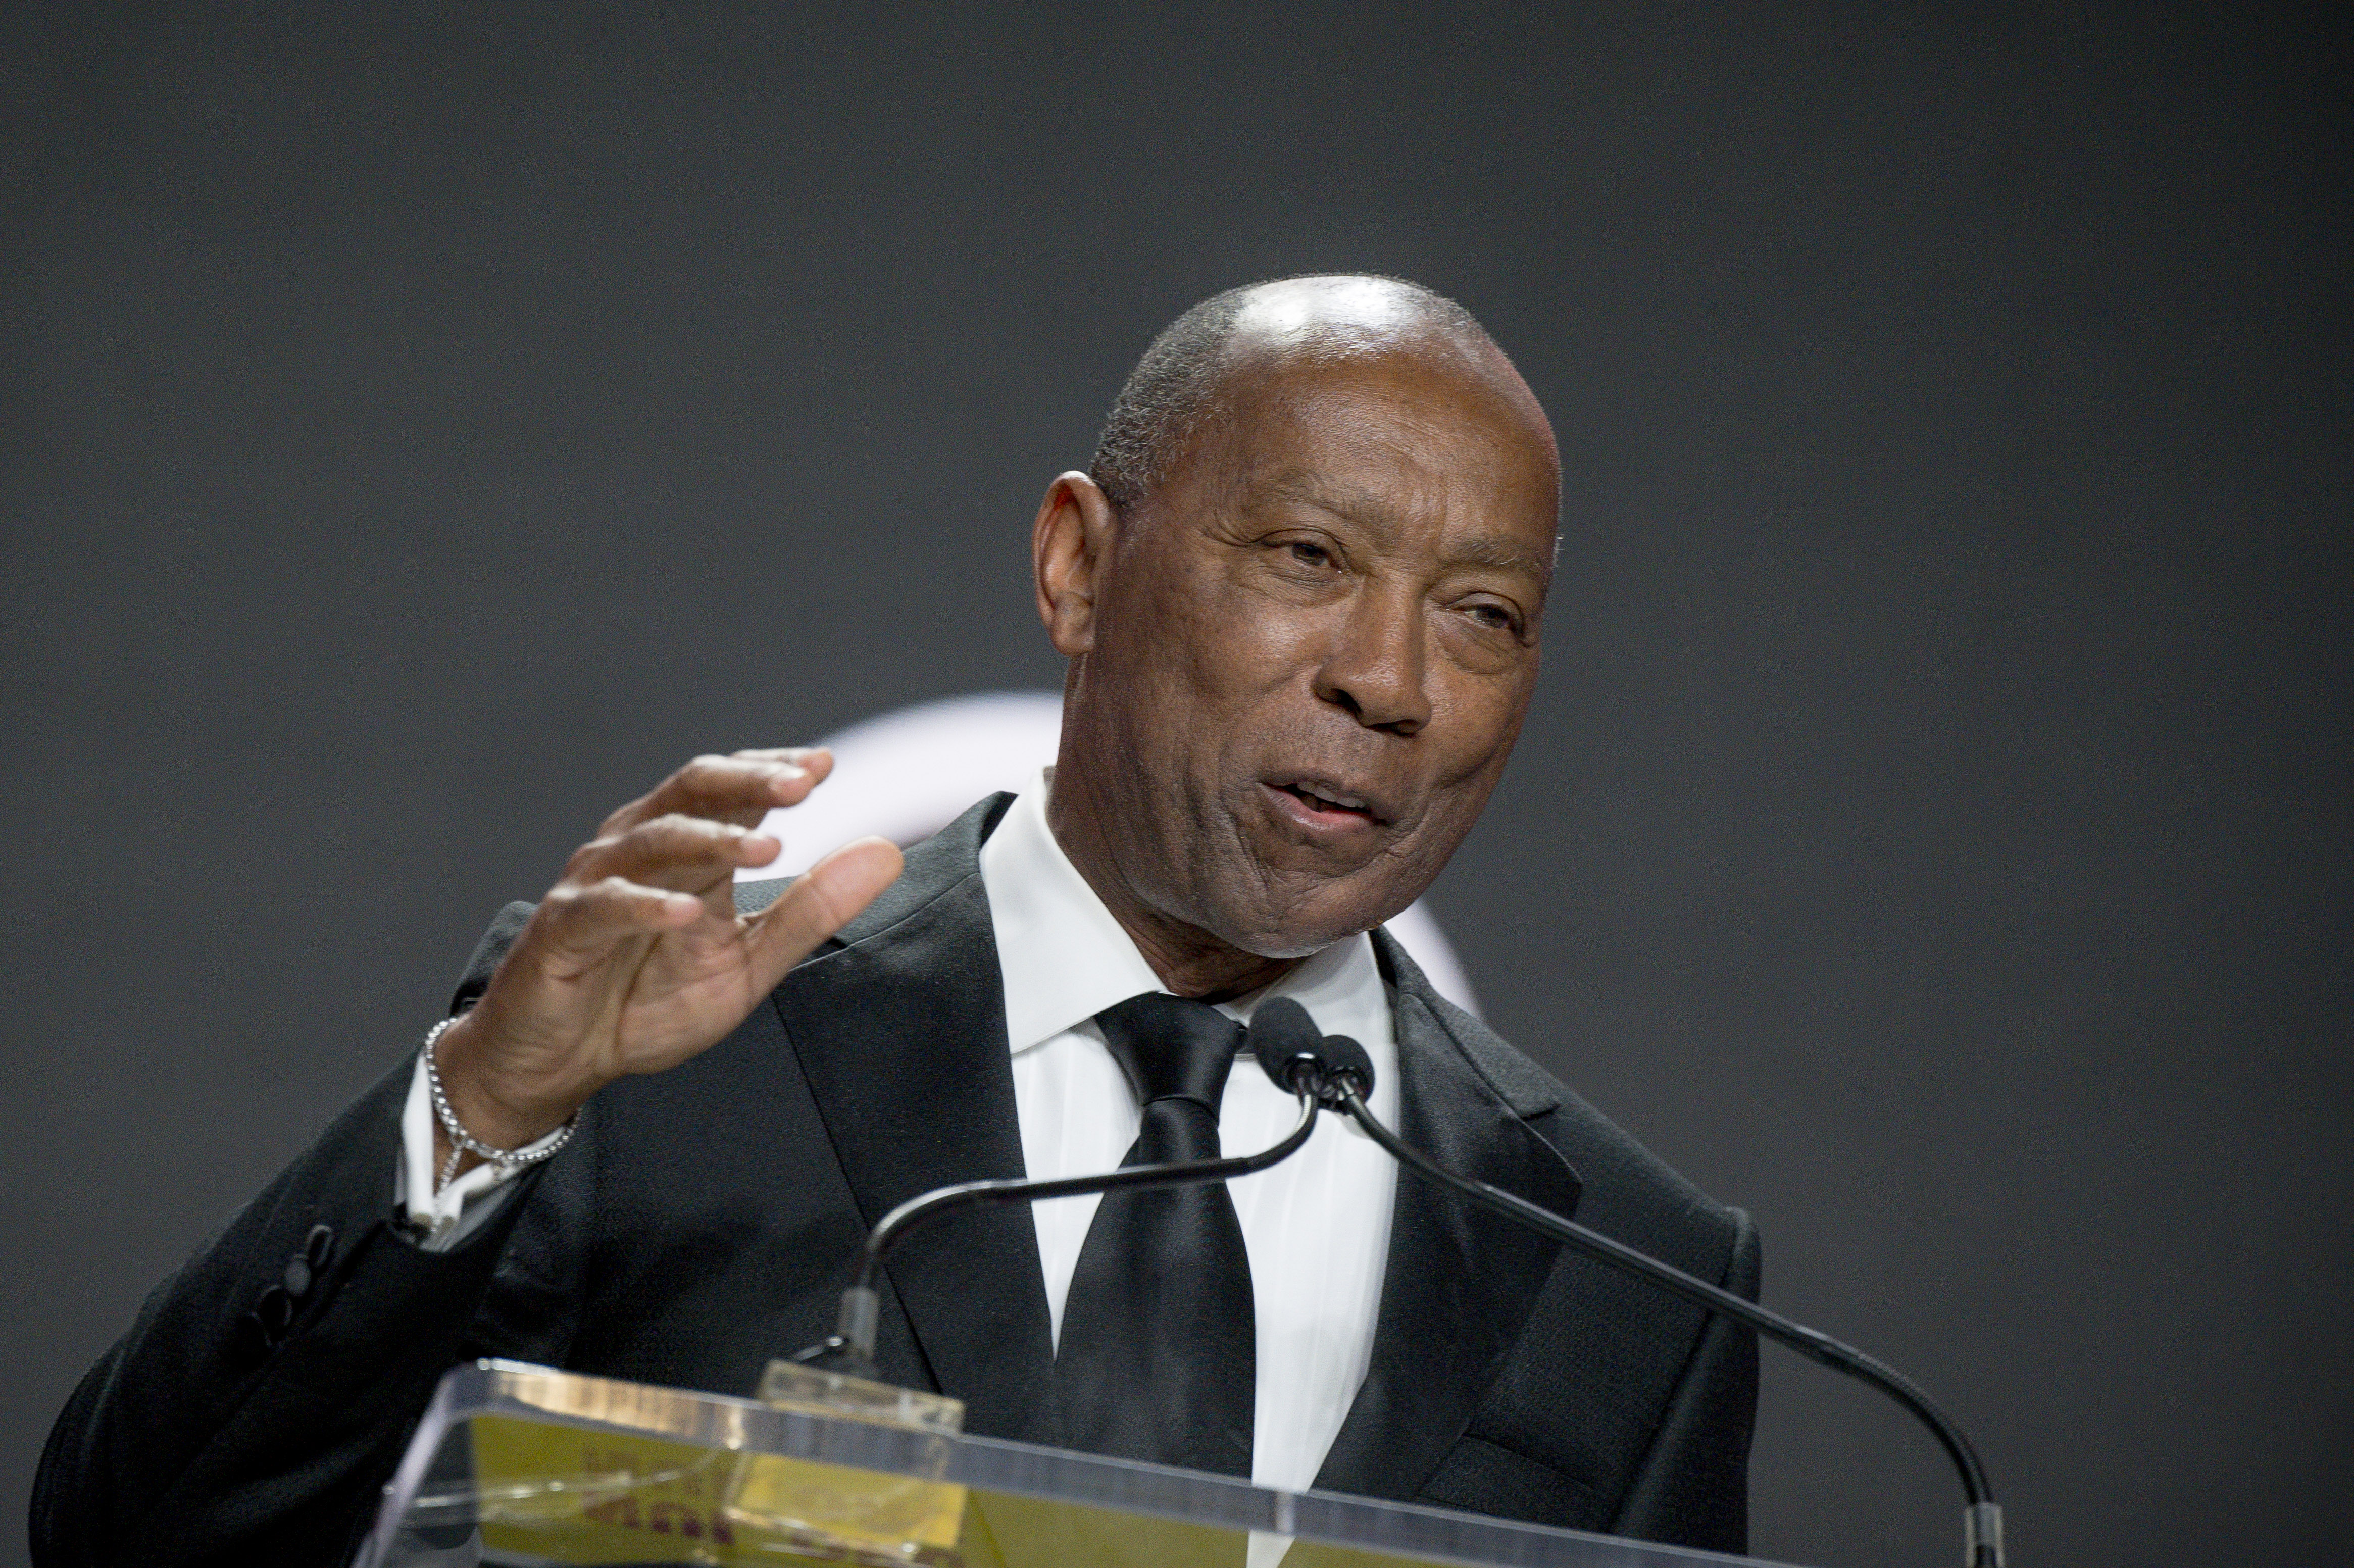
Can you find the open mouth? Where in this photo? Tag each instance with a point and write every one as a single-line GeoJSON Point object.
{"type": "Point", "coordinates": [1326, 803]}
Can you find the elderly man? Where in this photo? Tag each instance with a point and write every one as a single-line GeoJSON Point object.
{"type": "Point", "coordinates": [1299, 591]}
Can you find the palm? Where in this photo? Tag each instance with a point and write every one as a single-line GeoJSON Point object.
{"type": "Point", "coordinates": [688, 989]}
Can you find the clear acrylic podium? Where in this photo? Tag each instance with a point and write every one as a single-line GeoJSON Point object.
{"type": "Point", "coordinates": [516, 1465]}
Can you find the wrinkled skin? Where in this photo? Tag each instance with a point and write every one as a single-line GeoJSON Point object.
{"type": "Point", "coordinates": [1338, 585]}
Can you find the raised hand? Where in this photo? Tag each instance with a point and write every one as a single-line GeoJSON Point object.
{"type": "Point", "coordinates": [637, 959]}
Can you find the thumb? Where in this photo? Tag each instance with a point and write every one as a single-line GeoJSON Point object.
{"type": "Point", "coordinates": [821, 901]}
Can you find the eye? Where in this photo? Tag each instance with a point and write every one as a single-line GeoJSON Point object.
{"type": "Point", "coordinates": [1495, 617]}
{"type": "Point", "coordinates": [1305, 555]}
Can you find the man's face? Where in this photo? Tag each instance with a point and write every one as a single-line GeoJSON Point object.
{"type": "Point", "coordinates": [1315, 643]}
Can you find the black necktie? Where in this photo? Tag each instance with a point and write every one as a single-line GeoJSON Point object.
{"type": "Point", "coordinates": [1158, 1354]}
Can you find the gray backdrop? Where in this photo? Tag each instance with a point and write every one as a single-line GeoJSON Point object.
{"type": "Point", "coordinates": [424, 425]}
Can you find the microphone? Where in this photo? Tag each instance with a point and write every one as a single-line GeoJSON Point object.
{"type": "Point", "coordinates": [1280, 1032]}
{"type": "Point", "coordinates": [1338, 1074]}
{"type": "Point", "coordinates": [1284, 1040]}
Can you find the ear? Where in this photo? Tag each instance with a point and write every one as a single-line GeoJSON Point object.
{"type": "Point", "coordinates": [1070, 549]}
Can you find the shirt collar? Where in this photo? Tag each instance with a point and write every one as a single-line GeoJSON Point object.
{"type": "Point", "coordinates": [1065, 959]}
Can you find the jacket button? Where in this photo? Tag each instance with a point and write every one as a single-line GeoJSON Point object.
{"type": "Point", "coordinates": [319, 1249]}
{"type": "Point", "coordinates": [250, 1338]}
{"type": "Point", "coordinates": [276, 1311]}
{"type": "Point", "coordinates": [298, 1277]}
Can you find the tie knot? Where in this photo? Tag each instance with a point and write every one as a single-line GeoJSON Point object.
{"type": "Point", "coordinates": [1171, 1047]}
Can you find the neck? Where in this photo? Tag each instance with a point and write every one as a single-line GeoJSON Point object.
{"type": "Point", "coordinates": [1190, 961]}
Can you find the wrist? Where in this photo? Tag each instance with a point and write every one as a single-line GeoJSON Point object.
{"type": "Point", "coordinates": [491, 1106]}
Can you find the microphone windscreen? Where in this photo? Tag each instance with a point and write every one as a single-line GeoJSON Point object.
{"type": "Point", "coordinates": [1340, 1053]}
{"type": "Point", "coordinates": [1280, 1032]}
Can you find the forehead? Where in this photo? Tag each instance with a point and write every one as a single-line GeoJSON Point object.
{"type": "Point", "coordinates": [1389, 437]}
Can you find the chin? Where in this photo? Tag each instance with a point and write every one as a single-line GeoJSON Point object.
{"type": "Point", "coordinates": [1299, 931]}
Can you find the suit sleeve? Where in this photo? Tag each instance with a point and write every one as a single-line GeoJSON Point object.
{"type": "Point", "coordinates": [266, 1389]}
{"type": "Point", "coordinates": [1692, 1486]}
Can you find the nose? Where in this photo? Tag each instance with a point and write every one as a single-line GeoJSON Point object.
{"type": "Point", "coordinates": [1377, 663]}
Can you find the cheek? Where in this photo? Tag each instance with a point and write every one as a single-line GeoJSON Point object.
{"type": "Point", "coordinates": [1475, 718]}
{"type": "Point", "coordinates": [1175, 664]}
{"type": "Point", "coordinates": [1224, 640]}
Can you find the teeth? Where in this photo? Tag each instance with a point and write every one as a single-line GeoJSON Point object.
{"type": "Point", "coordinates": [1349, 802]}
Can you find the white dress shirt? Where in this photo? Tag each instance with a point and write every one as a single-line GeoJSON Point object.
{"type": "Point", "coordinates": [1316, 1227]}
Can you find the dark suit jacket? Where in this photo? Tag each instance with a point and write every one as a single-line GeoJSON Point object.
{"type": "Point", "coordinates": [701, 1222]}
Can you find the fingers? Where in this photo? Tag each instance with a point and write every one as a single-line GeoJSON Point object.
{"type": "Point", "coordinates": [821, 901]}
{"type": "Point", "coordinates": [739, 789]}
{"type": "Point", "coordinates": [580, 921]}
{"type": "Point", "coordinates": [685, 854]}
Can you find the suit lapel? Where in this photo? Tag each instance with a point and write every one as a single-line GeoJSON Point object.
{"type": "Point", "coordinates": [1460, 1282]}
{"type": "Point", "coordinates": [901, 1031]}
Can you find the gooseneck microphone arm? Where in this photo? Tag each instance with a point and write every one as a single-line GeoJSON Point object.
{"type": "Point", "coordinates": [1982, 1522]}
{"type": "Point", "coordinates": [851, 1347]}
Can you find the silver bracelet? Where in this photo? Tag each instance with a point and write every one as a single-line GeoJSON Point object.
{"type": "Point", "coordinates": [461, 1142]}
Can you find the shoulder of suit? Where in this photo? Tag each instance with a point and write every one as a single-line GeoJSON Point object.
{"type": "Point", "coordinates": [504, 928]}
{"type": "Point", "coordinates": [934, 867]}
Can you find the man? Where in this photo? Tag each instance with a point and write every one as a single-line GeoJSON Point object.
{"type": "Point", "coordinates": [1299, 593]}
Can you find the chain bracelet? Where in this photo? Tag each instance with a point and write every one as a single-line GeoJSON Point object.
{"type": "Point", "coordinates": [461, 1142]}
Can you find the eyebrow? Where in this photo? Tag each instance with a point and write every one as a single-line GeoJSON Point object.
{"type": "Point", "coordinates": [1490, 553]}
{"type": "Point", "coordinates": [1373, 510]}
